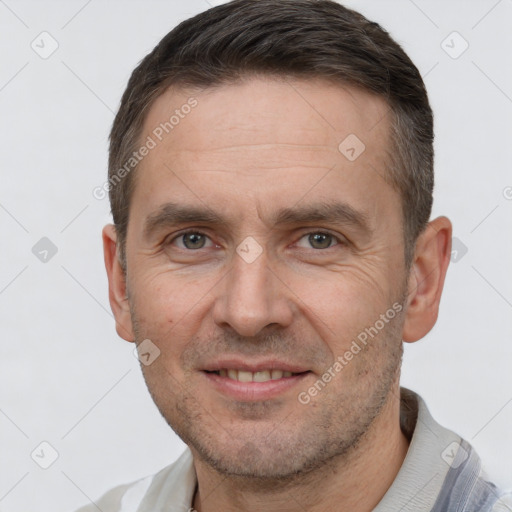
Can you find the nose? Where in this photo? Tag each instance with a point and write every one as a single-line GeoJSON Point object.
{"type": "Point", "coordinates": [252, 297]}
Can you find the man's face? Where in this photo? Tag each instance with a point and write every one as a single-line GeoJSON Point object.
{"type": "Point", "coordinates": [294, 248]}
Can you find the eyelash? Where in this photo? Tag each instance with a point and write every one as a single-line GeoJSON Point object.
{"type": "Point", "coordinates": [335, 238]}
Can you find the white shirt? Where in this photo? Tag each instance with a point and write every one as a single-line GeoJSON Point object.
{"type": "Point", "coordinates": [441, 473]}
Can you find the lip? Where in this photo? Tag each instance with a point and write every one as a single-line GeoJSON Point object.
{"type": "Point", "coordinates": [253, 391]}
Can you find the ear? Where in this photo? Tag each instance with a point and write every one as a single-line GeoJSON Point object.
{"type": "Point", "coordinates": [117, 284]}
{"type": "Point", "coordinates": [426, 278]}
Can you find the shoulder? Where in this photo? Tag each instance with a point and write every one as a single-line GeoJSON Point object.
{"type": "Point", "coordinates": [504, 503]}
{"type": "Point", "coordinates": [441, 470]}
{"type": "Point", "coordinates": [109, 502]}
{"type": "Point", "coordinates": [175, 482]}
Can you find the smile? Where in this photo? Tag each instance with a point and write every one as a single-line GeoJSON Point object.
{"type": "Point", "coordinates": [251, 386]}
{"type": "Point", "coordinates": [259, 376]}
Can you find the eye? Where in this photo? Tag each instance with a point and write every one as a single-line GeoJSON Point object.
{"type": "Point", "coordinates": [191, 240]}
{"type": "Point", "coordinates": [319, 240]}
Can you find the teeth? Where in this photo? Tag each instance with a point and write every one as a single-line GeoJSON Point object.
{"type": "Point", "coordinates": [261, 376]}
{"type": "Point", "coordinates": [244, 376]}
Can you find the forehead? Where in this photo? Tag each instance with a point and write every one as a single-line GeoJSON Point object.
{"type": "Point", "coordinates": [265, 138]}
{"type": "Point", "coordinates": [268, 107]}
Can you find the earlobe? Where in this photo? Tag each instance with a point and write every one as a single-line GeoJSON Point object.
{"type": "Point", "coordinates": [426, 278]}
{"type": "Point", "coordinates": [117, 284]}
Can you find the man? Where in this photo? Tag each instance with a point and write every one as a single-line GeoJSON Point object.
{"type": "Point", "coordinates": [270, 177]}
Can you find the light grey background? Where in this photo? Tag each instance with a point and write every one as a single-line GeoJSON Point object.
{"type": "Point", "coordinates": [65, 376]}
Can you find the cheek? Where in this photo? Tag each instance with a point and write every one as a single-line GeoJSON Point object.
{"type": "Point", "coordinates": [156, 322]}
{"type": "Point", "coordinates": [341, 307]}
{"type": "Point", "coordinates": [164, 300]}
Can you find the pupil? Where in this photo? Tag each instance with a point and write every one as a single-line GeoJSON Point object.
{"type": "Point", "coordinates": [194, 241]}
{"type": "Point", "coordinates": [320, 240]}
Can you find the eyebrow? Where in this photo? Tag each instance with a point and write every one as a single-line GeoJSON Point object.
{"type": "Point", "coordinates": [329, 212]}
{"type": "Point", "coordinates": [336, 213]}
{"type": "Point", "coordinates": [171, 214]}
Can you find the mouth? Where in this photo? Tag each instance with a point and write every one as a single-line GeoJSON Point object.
{"type": "Point", "coordinates": [254, 382]}
{"type": "Point", "coordinates": [259, 376]}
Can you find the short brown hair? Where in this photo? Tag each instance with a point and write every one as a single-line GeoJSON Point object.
{"type": "Point", "coordinates": [289, 38]}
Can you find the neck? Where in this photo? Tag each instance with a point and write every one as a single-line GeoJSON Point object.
{"type": "Point", "coordinates": [356, 481]}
